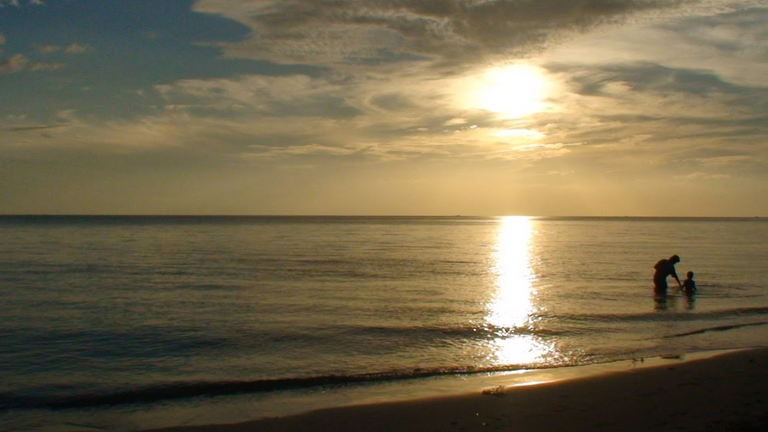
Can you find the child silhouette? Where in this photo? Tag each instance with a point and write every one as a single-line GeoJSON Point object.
{"type": "Point", "coordinates": [689, 286]}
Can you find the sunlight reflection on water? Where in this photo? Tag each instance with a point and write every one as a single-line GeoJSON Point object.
{"type": "Point", "coordinates": [511, 311]}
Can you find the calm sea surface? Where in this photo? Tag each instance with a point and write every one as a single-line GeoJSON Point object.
{"type": "Point", "coordinates": [126, 322]}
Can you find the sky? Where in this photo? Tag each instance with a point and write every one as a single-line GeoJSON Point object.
{"type": "Point", "coordinates": [384, 107]}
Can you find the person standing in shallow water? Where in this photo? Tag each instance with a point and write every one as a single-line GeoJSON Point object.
{"type": "Point", "coordinates": [689, 285]}
{"type": "Point", "coordinates": [664, 268]}
{"type": "Point", "coordinates": [689, 288]}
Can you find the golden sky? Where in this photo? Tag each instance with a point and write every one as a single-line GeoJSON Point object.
{"type": "Point", "coordinates": [384, 107]}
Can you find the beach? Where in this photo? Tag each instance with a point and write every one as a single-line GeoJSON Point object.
{"type": "Point", "coordinates": [727, 392]}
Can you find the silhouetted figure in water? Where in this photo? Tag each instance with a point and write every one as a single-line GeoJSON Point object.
{"type": "Point", "coordinates": [689, 286]}
{"type": "Point", "coordinates": [664, 268]}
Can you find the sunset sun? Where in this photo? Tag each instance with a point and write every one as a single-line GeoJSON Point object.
{"type": "Point", "coordinates": [512, 91]}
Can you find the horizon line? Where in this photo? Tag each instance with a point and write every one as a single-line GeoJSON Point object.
{"type": "Point", "coordinates": [191, 215]}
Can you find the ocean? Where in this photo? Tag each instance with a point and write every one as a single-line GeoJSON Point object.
{"type": "Point", "coordinates": [124, 323]}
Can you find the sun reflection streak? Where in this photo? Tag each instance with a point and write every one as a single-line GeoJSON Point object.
{"type": "Point", "coordinates": [510, 311]}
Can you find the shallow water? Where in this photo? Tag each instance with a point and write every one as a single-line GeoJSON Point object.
{"type": "Point", "coordinates": [114, 318]}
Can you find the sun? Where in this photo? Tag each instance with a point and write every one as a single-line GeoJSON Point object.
{"type": "Point", "coordinates": [512, 91]}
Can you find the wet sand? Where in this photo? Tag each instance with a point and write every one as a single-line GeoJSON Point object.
{"type": "Point", "coordinates": [728, 392]}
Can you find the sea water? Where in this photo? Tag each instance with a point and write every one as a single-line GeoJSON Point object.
{"type": "Point", "coordinates": [122, 323]}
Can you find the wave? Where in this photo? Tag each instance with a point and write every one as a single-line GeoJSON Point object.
{"type": "Point", "coordinates": [654, 316]}
{"type": "Point", "coordinates": [420, 333]}
{"type": "Point", "coordinates": [714, 329]}
{"type": "Point", "coordinates": [193, 389]}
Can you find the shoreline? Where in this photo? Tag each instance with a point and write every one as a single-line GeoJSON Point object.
{"type": "Point", "coordinates": [695, 392]}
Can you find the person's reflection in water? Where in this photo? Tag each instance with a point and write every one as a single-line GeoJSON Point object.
{"type": "Point", "coordinates": [690, 301]}
{"type": "Point", "coordinates": [663, 302]}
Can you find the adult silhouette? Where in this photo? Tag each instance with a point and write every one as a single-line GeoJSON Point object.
{"type": "Point", "coordinates": [665, 268]}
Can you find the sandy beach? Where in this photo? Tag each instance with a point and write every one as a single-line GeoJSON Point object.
{"type": "Point", "coordinates": [727, 392]}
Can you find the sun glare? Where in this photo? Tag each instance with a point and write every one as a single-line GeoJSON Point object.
{"type": "Point", "coordinates": [512, 305]}
{"type": "Point", "coordinates": [512, 91]}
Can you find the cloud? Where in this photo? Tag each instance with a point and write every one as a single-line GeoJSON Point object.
{"type": "Point", "coordinates": [266, 152]}
{"type": "Point", "coordinates": [616, 110]}
{"type": "Point", "coordinates": [699, 176]}
{"type": "Point", "coordinates": [449, 32]}
{"type": "Point", "coordinates": [36, 127]}
{"type": "Point", "coordinates": [75, 48]}
{"type": "Point", "coordinates": [728, 42]}
{"type": "Point", "coordinates": [632, 81]}
{"type": "Point", "coordinates": [14, 63]}
{"type": "Point", "coordinates": [632, 115]}
{"type": "Point", "coordinates": [19, 62]}
{"type": "Point", "coordinates": [253, 118]}
{"type": "Point", "coordinates": [725, 160]}
{"type": "Point", "coordinates": [46, 49]}
{"type": "Point", "coordinates": [295, 96]}
{"type": "Point", "coordinates": [16, 3]}
{"type": "Point", "coordinates": [36, 67]}
{"type": "Point", "coordinates": [2, 39]}
{"type": "Point", "coordinates": [73, 132]}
